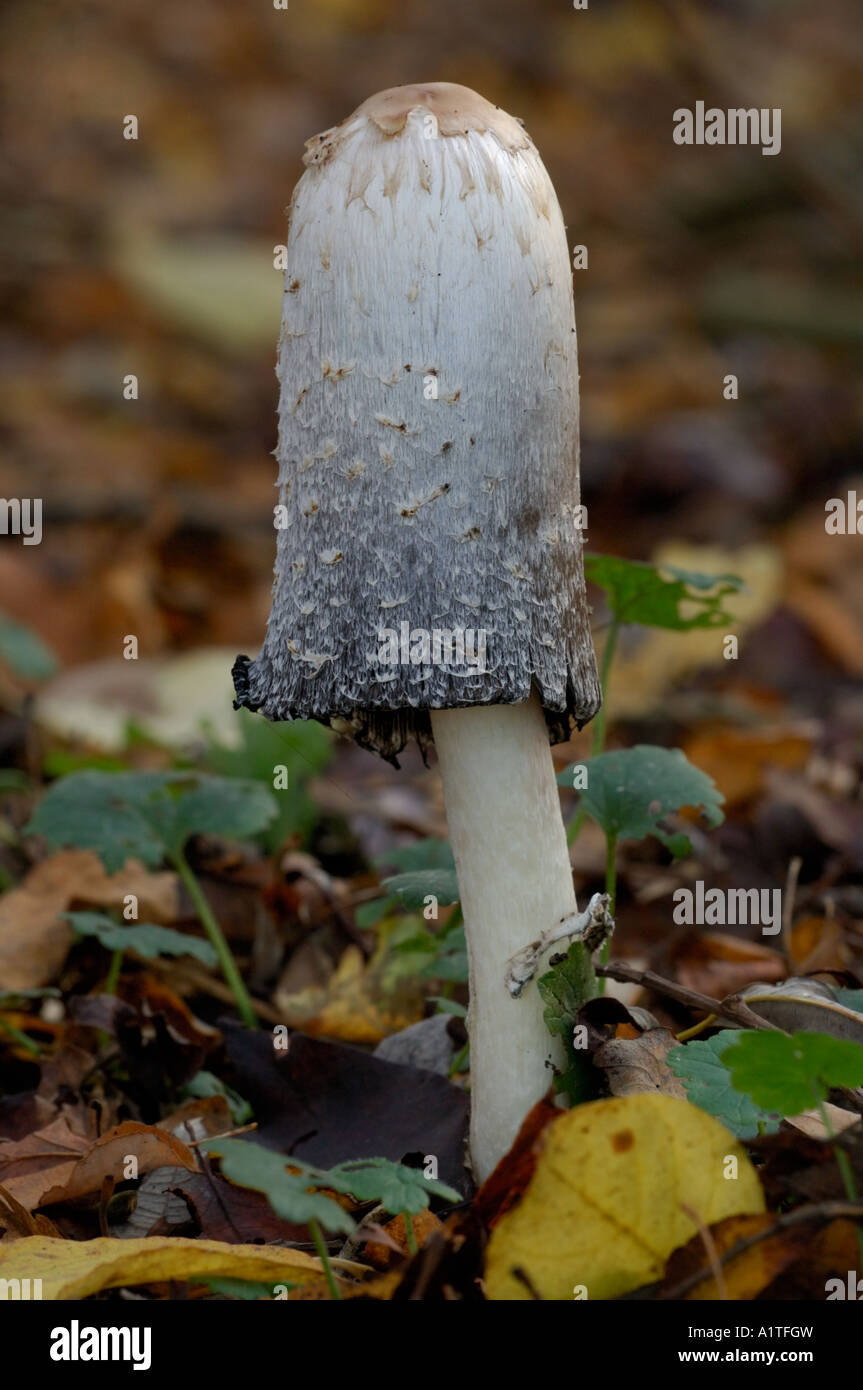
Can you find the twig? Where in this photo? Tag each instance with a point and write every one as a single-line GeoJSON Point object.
{"type": "Point", "coordinates": [228, 1134]}
{"type": "Point", "coordinates": [211, 1183]}
{"type": "Point", "coordinates": [733, 1008]}
{"type": "Point", "coordinates": [709, 1248]}
{"type": "Point", "coordinates": [794, 867]}
{"type": "Point", "coordinates": [821, 1212]}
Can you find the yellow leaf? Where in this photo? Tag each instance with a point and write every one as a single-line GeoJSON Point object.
{"type": "Point", "coordinates": [605, 1206]}
{"type": "Point", "coordinates": [78, 1268]}
{"type": "Point", "coordinates": [353, 1006]}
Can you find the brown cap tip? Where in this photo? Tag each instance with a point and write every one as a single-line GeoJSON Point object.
{"type": "Point", "coordinates": [456, 109]}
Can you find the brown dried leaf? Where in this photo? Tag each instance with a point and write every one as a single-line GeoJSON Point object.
{"type": "Point", "coordinates": [35, 940]}
{"type": "Point", "coordinates": [633, 1065]}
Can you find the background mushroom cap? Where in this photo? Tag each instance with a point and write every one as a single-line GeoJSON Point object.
{"type": "Point", "coordinates": [428, 440]}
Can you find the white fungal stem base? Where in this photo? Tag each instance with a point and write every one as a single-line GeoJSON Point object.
{"type": "Point", "coordinates": [514, 875]}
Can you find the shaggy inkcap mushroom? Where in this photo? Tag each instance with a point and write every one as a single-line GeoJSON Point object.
{"type": "Point", "coordinates": [428, 576]}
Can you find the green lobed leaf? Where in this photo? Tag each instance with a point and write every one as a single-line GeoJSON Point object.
{"type": "Point", "coordinates": [630, 790]}
{"type": "Point", "coordinates": [24, 652]}
{"type": "Point", "coordinates": [369, 914]}
{"type": "Point", "coordinates": [303, 747]}
{"type": "Point", "coordinates": [145, 938]}
{"type": "Point", "coordinates": [640, 593]}
{"type": "Point", "coordinates": [564, 988]}
{"type": "Point", "coordinates": [791, 1074]}
{"type": "Point", "coordinates": [147, 815]}
{"type": "Point", "coordinates": [448, 1006]}
{"type": "Point", "coordinates": [708, 1085]}
{"type": "Point", "coordinates": [422, 854]}
{"type": "Point", "coordinates": [413, 887]}
{"type": "Point", "coordinates": [395, 1186]}
{"type": "Point", "coordinates": [450, 961]}
{"type": "Point", "coordinates": [116, 814]}
{"type": "Point", "coordinates": [226, 806]}
{"type": "Point", "coordinates": [288, 1194]}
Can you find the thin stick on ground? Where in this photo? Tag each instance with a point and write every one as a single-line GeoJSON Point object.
{"type": "Point", "coordinates": [733, 1008]}
{"type": "Point", "coordinates": [820, 1212]}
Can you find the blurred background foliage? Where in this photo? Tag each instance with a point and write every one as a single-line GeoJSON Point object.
{"type": "Point", "coordinates": [154, 257]}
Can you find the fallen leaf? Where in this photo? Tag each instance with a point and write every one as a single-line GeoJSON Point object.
{"type": "Point", "coordinates": [636, 1066]}
{"type": "Point", "coordinates": [748, 1274]}
{"type": "Point", "coordinates": [328, 1103]}
{"type": "Point", "coordinates": [604, 1209]}
{"type": "Point", "coordinates": [382, 1256]}
{"type": "Point", "coordinates": [18, 1221]}
{"type": "Point", "coordinates": [717, 964]}
{"type": "Point", "coordinates": [817, 943]}
{"type": "Point", "coordinates": [737, 759]}
{"type": "Point", "coordinates": [72, 1269]}
{"type": "Point", "coordinates": [219, 288]}
{"type": "Point", "coordinates": [352, 1006]}
{"type": "Point", "coordinates": [172, 699]}
{"type": "Point", "coordinates": [148, 1145]}
{"type": "Point", "coordinates": [71, 1167]}
{"type": "Point", "coordinates": [812, 1125]}
{"type": "Point", "coordinates": [34, 1163]}
{"type": "Point", "coordinates": [833, 1253]}
{"type": "Point", "coordinates": [804, 1006]}
{"type": "Point", "coordinates": [505, 1186]}
{"type": "Point", "coordinates": [828, 619]}
{"type": "Point", "coordinates": [34, 938]}
{"type": "Point", "coordinates": [234, 1214]}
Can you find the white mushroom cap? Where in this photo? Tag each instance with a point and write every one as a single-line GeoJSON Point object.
{"type": "Point", "coordinates": [428, 440]}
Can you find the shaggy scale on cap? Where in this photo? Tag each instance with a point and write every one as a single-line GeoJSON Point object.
{"type": "Point", "coordinates": [428, 431]}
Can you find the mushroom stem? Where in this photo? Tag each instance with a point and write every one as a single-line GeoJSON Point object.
{"type": "Point", "coordinates": [509, 843]}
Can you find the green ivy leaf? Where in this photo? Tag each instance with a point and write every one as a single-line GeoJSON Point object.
{"type": "Point", "coordinates": [369, 914]}
{"type": "Point", "coordinates": [708, 1084]}
{"type": "Point", "coordinates": [630, 790]}
{"type": "Point", "coordinates": [791, 1074]}
{"type": "Point", "coordinates": [641, 593]}
{"type": "Point", "coordinates": [448, 1006]}
{"type": "Point", "coordinates": [116, 814]}
{"type": "Point", "coordinates": [24, 652]}
{"type": "Point", "coordinates": [145, 938]}
{"type": "Point", "coordinates": [395, 1186]}
{"type": "Point", "coordinates": [304, 748]}
{"type": "Point", "coordinates": [147, 815]}
{"type": "Point", "coordinates": [423, 854]}
{"type": "Point", "coordinates": [412, 888]}
{"type": "Point", "coordinates": [287, 1193]}
{"type": "Point", "coordinates": [564, 989]}
{"type": "Point", "coordinates": [449, 961]}
{"type": "Point", "coordinates": [227, 806]}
